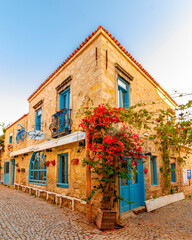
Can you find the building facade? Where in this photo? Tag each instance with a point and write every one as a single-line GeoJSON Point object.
{"type": "Point", "coordinates": [44, 149]}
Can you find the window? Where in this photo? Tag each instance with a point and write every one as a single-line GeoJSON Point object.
{"type": "Point", "coordinates": [6, 167]}
{"type": "Point", "coordinates": [172, 172]}
{"type": "Point", "coordinates": [63, 171]}
{"type": "Point", "coordinates": [38, 119]}
{"type": "Point", "coordinates": [65, 99]}
{"type": "Point", "coordinates": [37, 169]}
{"type": "Point", "coordinates": [132, 176]}
{"type": "Point", "coordinates": [11, 138]}
{"type": "Point", "coordinates": [123, 93]}
{"type": "Point", "coordinates": [153, 170]}
{"type": "Point", "coordinates": [64, 110]}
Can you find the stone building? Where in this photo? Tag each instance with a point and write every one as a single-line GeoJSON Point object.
{"type": "Point", "coordinates": [101, 69]}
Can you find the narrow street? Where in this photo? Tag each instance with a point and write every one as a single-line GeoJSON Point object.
{"type": "Point", "coordinates": [26, 217]}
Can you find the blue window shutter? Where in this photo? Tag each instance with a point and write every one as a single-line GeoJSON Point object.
{"type": "Point", "coordinates": [66, 169]}
{"type": "Point", "coordinates": [60, 168]}
{"type": "Point", "coordinates": [10, 139]}
{"type": "Point", "coordinates": [38, 119]}
{"type": "Point", "coordinates": [65, 99]}
{"type": "Point", "coordinates": [126, 100]}
{"type": "Point", "coordinates": [172, 172]}
{"type": "Point", "coordinates": [123, 88]}
{"type": "Point", "coordinates": [60, 177]}
{"type": "Point", "coordinates": [153, 168]}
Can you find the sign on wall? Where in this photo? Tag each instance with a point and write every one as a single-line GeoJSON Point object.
{"type": "Point", "coordinates": [36, 135]}
{"type": "Point", "coordinates": [21, 134]}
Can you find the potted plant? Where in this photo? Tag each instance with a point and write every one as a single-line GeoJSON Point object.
{"type": "Point", "coordinates": [112, 152]}
{"type": "Point", "coordinates": [53, 162]}
{"type": "Point", "coordinates": [18, 170]}
{"type": "Point", "coordinates": [75, 161]}
{"type": "Point", "coordinates": [47, 163]}
{"type": "Point", "coordinates": [22, 169]}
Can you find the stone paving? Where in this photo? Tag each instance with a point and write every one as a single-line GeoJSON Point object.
{"type": "Point", "coordinates": [26, 217]}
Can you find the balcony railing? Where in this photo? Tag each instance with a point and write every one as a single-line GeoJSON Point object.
{"type": "Point", "coordinates": [61, 123]}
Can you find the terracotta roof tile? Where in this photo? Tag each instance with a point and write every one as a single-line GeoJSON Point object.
{"type": "Point", "coordinates": [118, 44]}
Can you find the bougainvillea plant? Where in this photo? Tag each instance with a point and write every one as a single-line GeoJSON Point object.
{"type": "Point", "coordinates": [114, 149]}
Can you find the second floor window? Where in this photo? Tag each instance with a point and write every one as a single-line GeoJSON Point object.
{"type": "Point", "coordinates": [65, 99]}
{"type": "Point", "coordinates": [10, 139]}
{"type": "Point", "coordinates": [123, 93]}
{"type": "Point", "coordinates": [38, 119]}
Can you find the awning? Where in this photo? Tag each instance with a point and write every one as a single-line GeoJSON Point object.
{"type": "Point", "coordinates": [73, 137]}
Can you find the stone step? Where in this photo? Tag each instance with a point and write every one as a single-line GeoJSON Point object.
{"type": "Point", "coordinates": [133, 212]}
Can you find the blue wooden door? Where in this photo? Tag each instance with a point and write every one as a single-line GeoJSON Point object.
{"type": "Point", "coordinates": [6, 172]}
{"type": "Point", "coordinates": [133, 190]}
{"type": "Point", "coordinates": [13, 171]}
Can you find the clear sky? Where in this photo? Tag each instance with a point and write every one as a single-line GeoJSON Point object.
{"type": "Point", "coordinates": [37, 35]}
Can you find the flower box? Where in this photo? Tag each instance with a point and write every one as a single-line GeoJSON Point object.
{"type": "Point", "coordinates": [105, 219]}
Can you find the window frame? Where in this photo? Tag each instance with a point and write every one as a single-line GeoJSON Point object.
{"type": "Point", "coordinates": [32, 170]}
{"type": "Point", "coordinates": [60, 183]}
{"type": "Point", "coordinates": [38, 119]}
{"type": "Point", "coordinates": [10, 138]}
{"type": "Point", "coordinates": [121, 90]}
{"type": "Point", "coordinates": [153, 168]}
{"type": "Point", "coordinates": [65, 92]}
{"type": "Point", "coordinates": [173, 173]}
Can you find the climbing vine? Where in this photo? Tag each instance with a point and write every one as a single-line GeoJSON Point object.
{"type": "Point", "coordinates": [112, 144]}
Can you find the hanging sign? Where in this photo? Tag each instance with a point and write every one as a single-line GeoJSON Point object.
{"type": "Point", "coordinates": [189, 174]}
{"type": "Point", "coordinates": [36, 135]}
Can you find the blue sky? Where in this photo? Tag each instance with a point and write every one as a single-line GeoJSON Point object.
{"type": "Point", "coordinates": [37, 35]}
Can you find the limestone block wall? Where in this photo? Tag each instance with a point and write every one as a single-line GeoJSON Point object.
{"type": "Point", "coordinates": [13, 130]}
{"type": "Point", "coordinates": [141, 90]}
{"type": "Point", "coordinates": [76, 173]}
{"type": "Point", "coordinates": [5, 155]}
{"type": "Point", "coordinates": [85, 73]}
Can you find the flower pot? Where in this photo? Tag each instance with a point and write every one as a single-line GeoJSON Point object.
{"type": "Point", "coordinates": [47, 163]}
{"type": "Point", "coordinates": [75, 161]}
{"type": "Point", "coordinates": [105, 219]}
{"type": "Point", "coordinates": [53, 162]}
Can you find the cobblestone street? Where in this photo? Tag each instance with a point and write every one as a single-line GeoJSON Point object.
{"type": "Point", "coordinates": [26, 217]}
